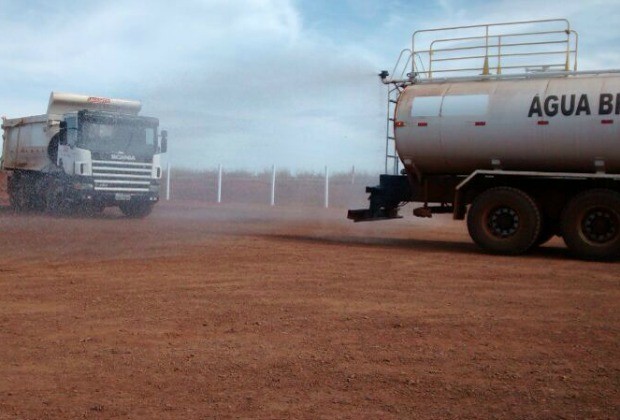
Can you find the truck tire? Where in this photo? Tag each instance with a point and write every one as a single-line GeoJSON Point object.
{"type": "Point", "coordinates": [504, 220]}
{"type": "Point", "coordinates": [19, 196]}
{"type": "Point", "coordinates": [55, 198]}
{"type": "Point", "coordinates": [591, 225]}
{"type": "Point", "coordinates": [91, 209]}
{"type": "Point", "coordinates": [136, 210]}
{"type": "Point", "coordinates": [37, 196]}
{"type": "Point", "coordinates": [14, 197]}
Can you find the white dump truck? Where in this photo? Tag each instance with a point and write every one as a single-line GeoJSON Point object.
{"type": "Point", "coordinates": [86, 153]}
{"type": "Point", "coordinates": [495, 123]}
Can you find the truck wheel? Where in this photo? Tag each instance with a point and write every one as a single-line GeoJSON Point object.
{"type": "Point", "coordinates": [17, 201]}
{"type": "Point", "coordinates": [136, 210]}
{"type": "Point", "coordinates": [18, 193]}
{"type": "Point", "coordinates": [37, 197]}
{"type": "Point", "coordinates": [504, 220]}
{"type": "Point", "coordinates": [591, 225]}
{"type": "Point", "coordinates": [14, 197]}
{"type": "Point", "coordinates": [90, 209]}
{"type": "Point", "coordinates": [55, 200]}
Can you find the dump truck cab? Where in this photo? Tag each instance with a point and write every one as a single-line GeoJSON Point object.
{"type": "Point", "coordinates": [87, 152]}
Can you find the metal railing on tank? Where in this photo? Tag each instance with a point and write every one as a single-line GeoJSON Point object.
{"type": "Point", "coordinates": [494, 49]}
{"type": "Point", "coordinates": [480, 51]}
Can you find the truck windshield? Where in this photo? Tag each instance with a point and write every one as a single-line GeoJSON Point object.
{"type": "Point", "coordinates": [118, 135]}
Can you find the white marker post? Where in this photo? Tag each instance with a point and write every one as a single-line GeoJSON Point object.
{"type": "Point", "coordinates": [219, 184]}
{"type": "Point", "coordinates": [168, 183]}
{"type": "Point", "coordinates": [273, 185]}
{"type": "Point", "coordinates": [326, 187]}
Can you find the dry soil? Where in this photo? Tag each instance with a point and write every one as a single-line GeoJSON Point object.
{"type": "Point", "coordinates": [203, 311]}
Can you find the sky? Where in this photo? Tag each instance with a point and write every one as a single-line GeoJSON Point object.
{"type": "Point", "coordinates": [253, 83]}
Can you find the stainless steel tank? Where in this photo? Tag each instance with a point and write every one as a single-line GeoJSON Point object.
{"type": "Point", "coordinates": [560, 124]}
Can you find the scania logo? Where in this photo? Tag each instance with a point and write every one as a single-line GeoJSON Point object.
{"type": "Point", "coordinates": [122, 156]}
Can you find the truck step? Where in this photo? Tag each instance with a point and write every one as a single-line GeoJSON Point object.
{"type": "Point", "coordinates": [365, 215]}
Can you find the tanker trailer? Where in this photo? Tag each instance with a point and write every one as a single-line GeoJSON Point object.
{"type": "Point", "coordinates": [85, 153]}
{"type": "Point", "coordinates": [523, 151]}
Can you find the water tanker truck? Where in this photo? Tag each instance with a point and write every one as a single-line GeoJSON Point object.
{"type": "Point", "coordinates": [85, 153]}
{"type": "Point", "coordinates": [493, 123]}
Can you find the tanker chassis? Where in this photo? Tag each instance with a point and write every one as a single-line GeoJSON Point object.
{"type": "Point", "coordinates": [522, 154]}
{"type": "Point", "coordinates": [85, 153]}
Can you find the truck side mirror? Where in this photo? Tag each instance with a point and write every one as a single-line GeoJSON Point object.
{"type": "Point", "coordinates": [164, 141]}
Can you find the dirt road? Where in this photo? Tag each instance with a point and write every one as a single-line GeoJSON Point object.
{"type": "Point", "coordinates": [203, 311]}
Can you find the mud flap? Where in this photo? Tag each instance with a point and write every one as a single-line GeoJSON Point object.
{"type": "Point", "coordinates": [385, 199]}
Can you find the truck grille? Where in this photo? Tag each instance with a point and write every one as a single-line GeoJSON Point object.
{"type": "Point", "coordinates": [117, 176]}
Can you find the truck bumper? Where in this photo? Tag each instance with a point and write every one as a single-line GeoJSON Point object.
{"type": "Point", "coordinates": [112, 198]}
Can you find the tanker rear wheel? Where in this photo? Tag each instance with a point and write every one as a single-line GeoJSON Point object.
{"type": "Point", "coordinates": [591, 225]}
{"type": "Point", "coordinates": [504, 220]}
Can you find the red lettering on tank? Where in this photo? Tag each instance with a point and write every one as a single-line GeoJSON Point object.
{"type": "Point", "coordinates": [98, 100]}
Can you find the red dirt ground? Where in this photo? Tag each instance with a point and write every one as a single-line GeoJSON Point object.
{"type": "Point", "coordinates": [228, 311]}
